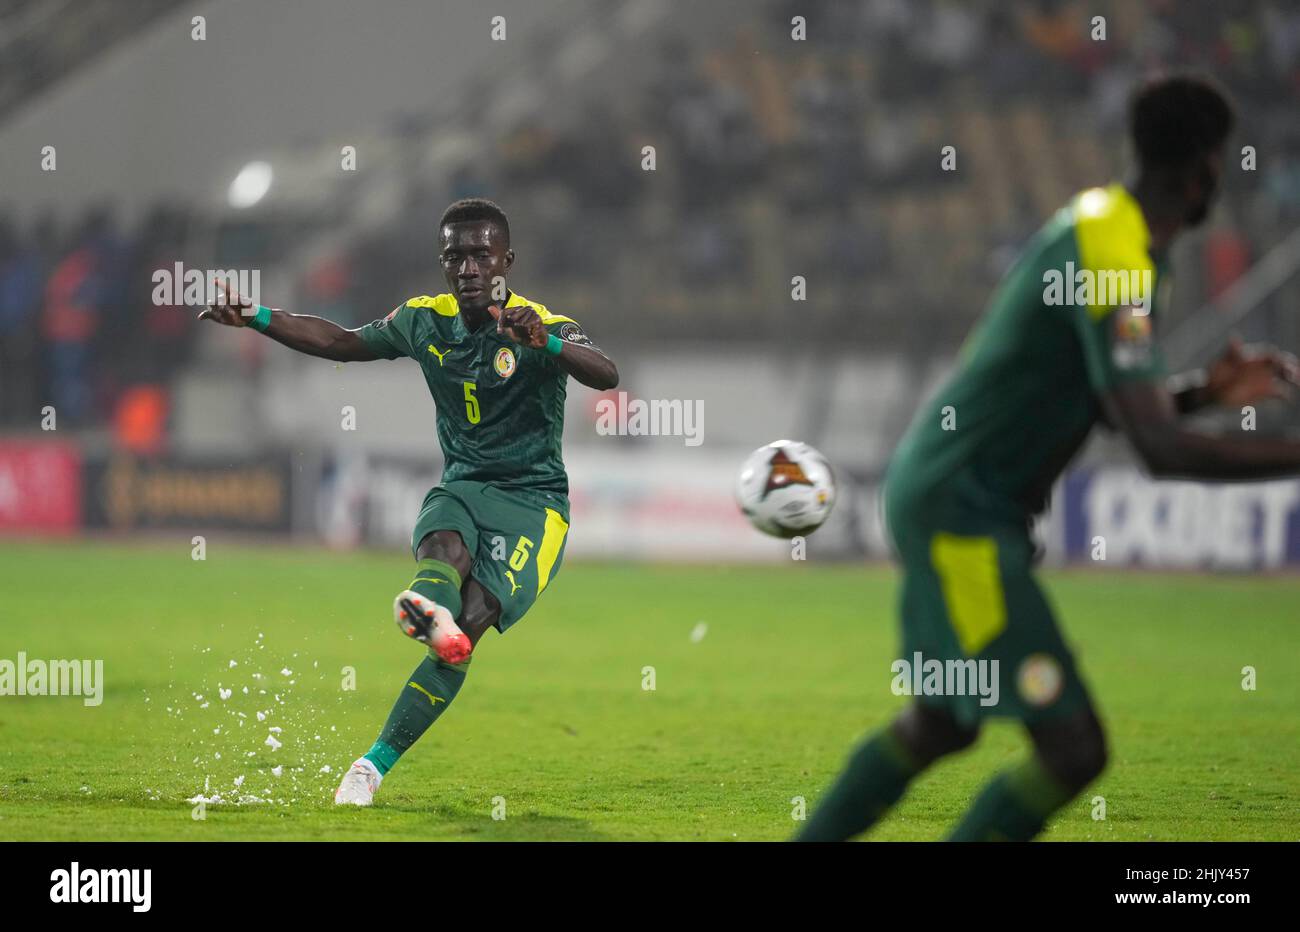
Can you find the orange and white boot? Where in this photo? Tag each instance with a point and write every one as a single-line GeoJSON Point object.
{"type": "Point", "coordinates": [424, 620]}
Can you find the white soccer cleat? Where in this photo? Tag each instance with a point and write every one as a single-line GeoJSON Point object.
{"type": "Point", "coordinates": [432, 625]}
{"type": "Point", "coordinates": [359, 784]}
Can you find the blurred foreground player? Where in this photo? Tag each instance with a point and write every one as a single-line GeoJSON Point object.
{"type": "Point", "coordinates": [1041, 368]}
{"type": "Point", "coordinates": [490, 536]}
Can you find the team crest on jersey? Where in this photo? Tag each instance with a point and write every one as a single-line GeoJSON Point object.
{"type": "Point", "coordinates": [1132, 326]}
{"type": "Point", "coordinates": [1040, 680]}
{"type": "Point", "coordinates": [1132, 344]}
{"type": "Point", "coordinates": [505, 362]}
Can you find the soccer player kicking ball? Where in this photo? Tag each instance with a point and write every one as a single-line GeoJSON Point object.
{"type": "Point", "coordinates": [979, 461]}
{"type": "Point", "coordinates": [490, 536]}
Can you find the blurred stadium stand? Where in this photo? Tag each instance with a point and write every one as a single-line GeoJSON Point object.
{"type": "Point", "coordinates": [774, 159]}
{"type": "Point", "coordinates": [45, 41]}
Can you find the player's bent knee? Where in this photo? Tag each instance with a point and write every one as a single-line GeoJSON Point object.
{"type": "Point", "coordinates": [1075, 768]}
{"type": "Point", "coordinates": [929, 732]}
{"type": "Point", "coordinates": [481, 610]}
{"type": "Point", "coordinates": [447, 546]}
{"type": "Point", "coordinates": [1074, 750]}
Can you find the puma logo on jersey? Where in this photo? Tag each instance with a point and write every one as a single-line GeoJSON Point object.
{"type": "Point", "coordinates": [433, 349]}
{"type": "Point", "coordinates": [513, 585]}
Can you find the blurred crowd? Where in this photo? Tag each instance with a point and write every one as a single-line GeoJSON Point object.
{"type": "Point", "coordinates": [79, 329]}
{"type": "Point", "coordinates": [818, 158]}
{"type": "Point", "coordinates": [821, 158]}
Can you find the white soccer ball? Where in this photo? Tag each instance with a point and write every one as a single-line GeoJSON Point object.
{"type": "Point", "coordinates": [786, 489]}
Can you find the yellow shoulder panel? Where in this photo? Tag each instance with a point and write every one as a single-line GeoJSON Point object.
{"type": "Point", "coordinates": [546, 316]}
{"type": "Point", "coordinates": [443, 304]}
{"type": "Point", "coordinates": [1112, 238]}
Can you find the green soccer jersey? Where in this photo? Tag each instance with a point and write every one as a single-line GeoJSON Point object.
{"type": "Point", "coordinates": [1072, 319]}
{"type": "Point", "coordinates": [500, 405]}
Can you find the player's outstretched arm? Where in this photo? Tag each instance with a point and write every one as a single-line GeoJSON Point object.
{"type": "Point", "coordinates": [1243, 375]}
{"type": "Point", "coordinates": [1148, 414]}
{"type": "Point", "coordinates": [586, 363]}
{"type": "Point", "coordinates": [314, 336]}
{"type": "Point", "coordinates": [589, 365]}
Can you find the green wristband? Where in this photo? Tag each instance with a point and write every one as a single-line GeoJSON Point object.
{"type": "Point", "coordinates": [261, 320]}
{"type": "Point", "coordinates": [553, 345]}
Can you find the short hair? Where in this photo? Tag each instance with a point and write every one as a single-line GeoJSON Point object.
{"type": "Point", "coordinates": [1175, 120]}
{"type": "Point", "coordinates": [471, 209]}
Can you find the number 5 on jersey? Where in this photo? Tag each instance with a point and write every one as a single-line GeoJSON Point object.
{"type": "Point", "coordinates": [471, 403]}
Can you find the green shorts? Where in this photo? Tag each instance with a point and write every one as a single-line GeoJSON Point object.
{"type": "Point", "coordinates": [968, 593]}
{"type": "Point", "coordinates": [515, 538]}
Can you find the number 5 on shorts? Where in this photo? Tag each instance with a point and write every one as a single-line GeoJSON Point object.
{"type": "Point", "coordinates": [520, 557]}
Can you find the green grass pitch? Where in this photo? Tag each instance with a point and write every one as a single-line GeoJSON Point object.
{"type": "Point", "coordinates": [554, 722]}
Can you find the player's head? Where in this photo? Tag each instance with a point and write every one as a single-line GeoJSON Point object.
{"type": "Point", "coordinates": [1179, 125]}
{"type": "Point", "coordinates": [474, 250]}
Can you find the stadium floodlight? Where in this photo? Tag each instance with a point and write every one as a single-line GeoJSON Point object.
{"type": "Point", "coordinates": [251, 184]}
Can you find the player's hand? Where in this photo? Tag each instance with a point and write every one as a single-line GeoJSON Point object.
{"type": "Point", "coordinates": [521, 323]}
{"type": "Point", "coordinates": [227, 310]}
{"type": "Point", "coordinates": [1246, 374]}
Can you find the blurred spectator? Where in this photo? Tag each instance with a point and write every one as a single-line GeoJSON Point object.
{"type": "Point", "coordinates": [139, 420]}
{"type": "Point", "coordinates": [1227, 256]}
{"type": "Point", "coordinates": [81, 286]}
{"type": "Point", "coordinates": [22, 282]}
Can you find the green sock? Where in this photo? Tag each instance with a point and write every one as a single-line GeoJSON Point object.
{"type": "Point", "coordinates": [1014, 806]}
{"type": "Point", "coordinates": [877, 775]}
{"type": "Point", "coordinates": [438, 581]}
{"type": "Point", "coordinates": [425, 696]}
